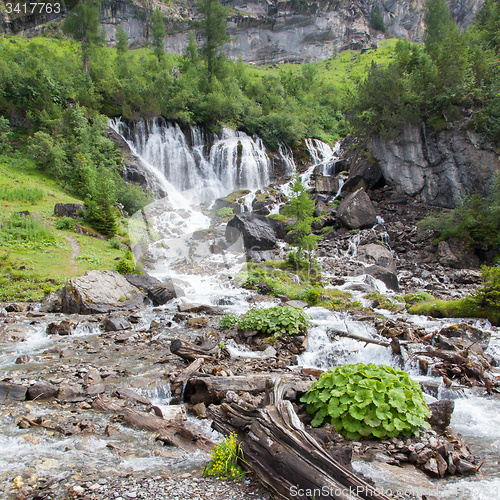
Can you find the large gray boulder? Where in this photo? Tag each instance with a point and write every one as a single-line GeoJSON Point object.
{"type": "Point", "coordinates": [68, 210]}
{"type": "Point", "coordinates": [159, 292]}
{"type": "Point", "coordinates": [257, 231]}
{"type": "Point", "coordinates": [389, 279]}
{"type": "Point", "coordinates": [356, 211]}
{"type": "Point", "coordinates": [99, 292]}
{"type": "Point", "coordinates": [378, 255]}
{"type": "Point", "coordinates": [329, 185]}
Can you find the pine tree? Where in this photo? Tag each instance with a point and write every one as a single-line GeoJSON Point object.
{"type": "Point", "coordinates": [212, 27]}
{"type": "Point", "coordinates": [83, 24]}
{"type": "Point", "coordinates": [376, 19]}
{"type": "Point", "coordinates": [437, 24]}
{"type": "Point", "coordinates": [300, 207]}
{"type": "Point", "coordinates": [121, 41]}
{"type": "Point", "coordinates": [158, 31]}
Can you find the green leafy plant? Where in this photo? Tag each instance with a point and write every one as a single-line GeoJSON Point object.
{"type": "Point", "coordinates": [227, 321]}
{"type": "Point", "coordinates": [224, 460]}
{"type": "Point", "coordinates": [275, 320]}
{"type": "Point", "coordinates": [65, 224]}
{"type": "Point", "coordinates": [367, 400]}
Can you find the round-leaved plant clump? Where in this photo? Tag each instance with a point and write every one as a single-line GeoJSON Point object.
{"type": "Point", "coordinates": [367, 400]}
{"type": "Point", "coordinates": [277, 320]}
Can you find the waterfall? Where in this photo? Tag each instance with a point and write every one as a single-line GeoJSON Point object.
{"type": "Point", "coordinates": [323, 155]}
{"type": "Point", "coordinates": [190, 164]}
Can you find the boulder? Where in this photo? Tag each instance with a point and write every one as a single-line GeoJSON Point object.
{"type": "Point", "coordinates": [42, 390]}
{"type": "Point", "coordinates": [389, 279]}
{"type": "Point", "coordinates": [12, 392]}
{"type": "Point", "coordinates": [441, 414]}
{"type": "Point", "coordinates": [223, 203]}
{"type": "Point", "coordinates": [378, 255]}
{"type": "Point", "coordinates": [364, 174]}
{"type": "Point", "coordinates": [116, 323]}
{"type": "Point", "coordinates": [454, 253]}
{"type": "Point", "coordinates": [159, 292]}
{"type": "Point", "coordinates": [70, 393]}
{"type": "Point", "coordinates": [68, 210]}
{"type": "Point", "coordinates": [356, 211]}
{"type": "Point", "coordinates": [467, 332]}
{"type": "Point", "coordinates": [257, 231]}
{"type": "Point", "coordinates": [62, 328]}
{"type": "Point", "coordinates": [328, 185]}
{"type": "Point", "coordinates": [99, 292]}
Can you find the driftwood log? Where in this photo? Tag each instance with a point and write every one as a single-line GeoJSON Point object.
{"type": "Point", "coordinates": [213, 389]}
{"type": "Point", "coordinates": [177, 385]}
{"type": "Point", "coordinates": [208, 351]}
{"type": "Point", "coordinates": [394, 343]}
{"type": "Point", "coordinates": [169, 431]}
{"type": "Point", "coordinates": [284, 456]}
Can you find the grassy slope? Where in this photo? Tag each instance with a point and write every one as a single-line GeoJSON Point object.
{"type": "Point", "coordinates": [27, 272]}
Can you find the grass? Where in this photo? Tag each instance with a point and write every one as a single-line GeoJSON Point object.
{"type": "Point", "coordinates": [467, 307]}
{"type": "Point", "coordinates": [31, 268]}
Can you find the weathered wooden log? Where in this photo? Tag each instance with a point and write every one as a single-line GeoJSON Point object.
{"type": "Point", "coordinates": [284, 456]}
{"type": "Point", "coordinates": [191, 352]}
{"type": "Point", "coordinates": [170, 431]}
{"type": "Point", "coordinates": [177, 385]}
{"type": "Point", "coordinates": [394, 344]}
{"type": "Point", "coordinates": [211, 389]}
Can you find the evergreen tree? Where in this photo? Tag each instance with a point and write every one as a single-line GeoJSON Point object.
{"type": "Point", "coordinates": [83, 24]}
{"type": "Point", "coordinates": [213, 27]}
{"type": "Point", "coordinates": [121, 41]}
{"type": "Point", "coordinates": [300, 207]}
{"type": "Point", "coordinates": [437, 24]}
{"type": "Point", "coordinates": [158, 31]}
{"type": "Point", "coordinates": [376, 19]}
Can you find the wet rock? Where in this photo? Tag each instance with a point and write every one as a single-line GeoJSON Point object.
{"type": "Point", "coordinates": [70, 393]}
{"type": "Point", "coordinates": [41, 391]}
{"type": "Point", "coordinates": [467, 332]}
{"type": "Point", "coordinates": [131, 395]}
{"type": "Point", "coordinates": [465, 468]}
{"type": "Point", "coordinates": [378, 255]}
{"type": "Point", "coordinates": [170, 412]}
{"type": "Point", "coordinates": [389, 279]}
{"type": "Point", "coordinates": [13, 333]}
{"type": "Point", "coordinates": [223, 203]}
{"type": "Point", "coordinates": [62, 328]}
{"type": "Point", "coordinates": [187, 307]}
{"type": "Point", "coordinates": [94, 390]}
{"type": "Point", "coordinates": [22, 360]}
{"type": "Point", "coordinates": [159, 292]}
{"type": "Point", "coordinates": [196, 322]}
{"type": "Point", "coordinates": [296, 303]}
{"type": "Point", "coordinates": [441, 414]}
{"type": "Point", "coordinates": [199, 410]}
{"type": "Point", "coordinates": [98, 292]}
{"type": "Point", "coordinates": [329, 185]}
{"type": "Point", "coordinates": [356, 211]}
{"type": "Point", "coordinates": [257, 231]}
{"type": "Point", "coordinates": [116, 323]}
{"type": "Point", "coordinates": [12, 392]}
{"type": "Point", "coordinates": [68, 210]}
{"type": "Point", "coordinates": [364, 174]}
{"type": "Point", "coordinates": [13, 308]}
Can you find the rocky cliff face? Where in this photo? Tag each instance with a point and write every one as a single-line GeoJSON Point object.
{"type": "Point", "coordinates": [270, 30]}
{"type": "Point", "coordinates": [436, 168]}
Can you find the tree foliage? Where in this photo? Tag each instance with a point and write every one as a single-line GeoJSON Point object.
{"type": "Point", "coordinates": [158, 31]}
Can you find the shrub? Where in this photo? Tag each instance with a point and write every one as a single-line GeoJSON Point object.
{"type": "Point", "coordinates": [224, 460]}
{"type": "Point", "coordinates": [65, 224]}
{"type": "Point", "coordinates": [276, 320]}
{"type": "Point", "coordinates": [367, 400]}
{"type": "Point", "coordinates": [489, 293]}
{"type": "Point", "coordinates": [115, 244]}
{"type": "Point", "coordinates": [227, 321]}
{"type": "Point", "coordinates": [224, 212]}
{"type": "Point", "coordinates": [125, 266]}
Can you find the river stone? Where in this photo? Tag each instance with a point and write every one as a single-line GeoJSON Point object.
{"type": "Point", "coordinates": [356, 211]}
{"type": "Point", "coordinates": [300, 304]}
{"type": "Point", "coordinates": [13, 333]}
{"type": "Point", "coordinates": [62, 328]}
{"type": "Point", "coordinates": [98, 292]}
{"type": "Point", "coordinates": [467, 332]}
{"type": "Point", "coordinates": [389, 279]}
{"type": "Point", "coordinates": [70, 393]}
{"type": "Point", "coordinates": [159, 292]}
{"type": "Point", "coordinates": [377, 254]}
{"type": "Point", "coordinates": [42, 390]}
{"type": "Point", "coordinates": [116, 323]}
{"type": "Point", "coordinates": [95, 390]}
{"type": "Point", "coordinates": [441, 414]}
{"type": "Point", "coordinates": [12, 392]}
{"type": "Point", "coordinates": [257, 231]}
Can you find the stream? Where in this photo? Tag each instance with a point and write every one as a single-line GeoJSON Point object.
{"type": "Point", "coordinates": [208, 279]}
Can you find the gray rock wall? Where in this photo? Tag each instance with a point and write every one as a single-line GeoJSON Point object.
{"type": "Point", "coordinates": [270, 30]}
{"type": "Point", "coordinates": [437, 168]}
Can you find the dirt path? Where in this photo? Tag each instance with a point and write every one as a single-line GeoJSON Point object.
{"type": "Point", "coordinates": [75, 250]}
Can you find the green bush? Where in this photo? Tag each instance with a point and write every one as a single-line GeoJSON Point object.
{"type": "Point", "coordinates": [227, 321]}
{"type": "Point", "coordinates": [224, 212]}
{"type": "Point", "coordinates": [367, 400]}
{"type": "Point", "coordinates": [65, 224]}
{"type": "Point", "coordinates": [224, 460]}
{"type": "Point", "coordinates": [125, 266]}
{"type": "Point", "coordinates": [115, 244]}
{"type": "Point", "coordinates": [276, 320]}
{"type": "Point", "coordinates": [489, 293]}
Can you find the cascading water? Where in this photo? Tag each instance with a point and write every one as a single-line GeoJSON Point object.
{"type": "Point", "coordinates": [323, 155]}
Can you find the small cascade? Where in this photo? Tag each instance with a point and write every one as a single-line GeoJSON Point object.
{"type": "Point", "coordinates": [323, 156]}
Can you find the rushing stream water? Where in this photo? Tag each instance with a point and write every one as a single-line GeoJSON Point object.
{"type": "Point", "coordinates": [191, 171]}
